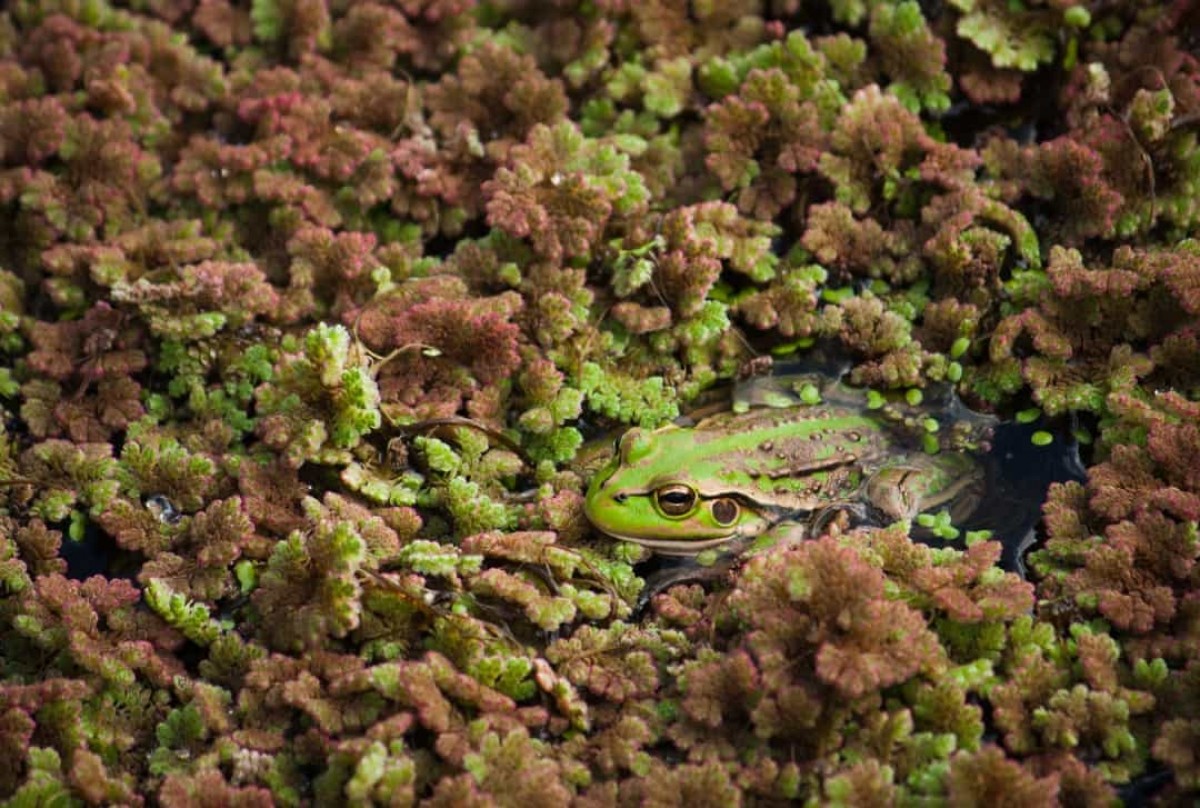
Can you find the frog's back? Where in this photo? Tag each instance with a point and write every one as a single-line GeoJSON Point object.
{"type": "Point", "coordinates": [790, 456]}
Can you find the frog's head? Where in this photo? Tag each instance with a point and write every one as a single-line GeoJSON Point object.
{"type": "Point", "coordinates": [649, 495]}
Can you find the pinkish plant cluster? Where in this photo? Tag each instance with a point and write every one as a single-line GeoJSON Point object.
{"type": "Point", "coordinates": [306, 310]}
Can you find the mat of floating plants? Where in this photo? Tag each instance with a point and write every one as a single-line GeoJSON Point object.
{"type": "Point", "coordinates": [314, 312]}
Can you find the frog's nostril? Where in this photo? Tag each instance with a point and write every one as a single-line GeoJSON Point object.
{"type": "Point", "coordinates": [620, 498]}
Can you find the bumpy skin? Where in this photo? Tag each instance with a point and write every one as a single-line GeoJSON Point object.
{"type": "Point", "coordinates": [735, 476]}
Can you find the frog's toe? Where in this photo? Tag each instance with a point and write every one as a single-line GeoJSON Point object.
{"type": "Point", "coordinates": [838, 519]}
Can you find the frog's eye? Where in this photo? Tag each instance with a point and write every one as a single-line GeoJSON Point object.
{"type": "Point", "coordinates": [725, 511]}
{"type": "Point", "coordinates": [675, 500]}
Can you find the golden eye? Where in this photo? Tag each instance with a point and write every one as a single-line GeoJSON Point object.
{"type": "Point", "coordinates": [725, 511]}
{"type": "Point", "coordinates": [675, 500]}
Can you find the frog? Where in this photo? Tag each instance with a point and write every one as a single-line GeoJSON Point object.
{"type": "Point", "coordinates": [740, 479]}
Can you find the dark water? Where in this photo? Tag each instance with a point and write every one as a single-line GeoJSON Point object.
{"type": "Point", "coordinates": [1019, 474]}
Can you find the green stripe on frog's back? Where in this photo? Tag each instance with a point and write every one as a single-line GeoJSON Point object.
{"type": "Point", "coordinates": [797, 458]}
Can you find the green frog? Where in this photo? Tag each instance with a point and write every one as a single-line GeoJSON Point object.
{"type": "Point", "coordinates": [737, 479]}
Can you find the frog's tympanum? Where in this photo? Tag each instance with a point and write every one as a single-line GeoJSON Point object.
{"type": "Point", "coordinates": [771, 473]}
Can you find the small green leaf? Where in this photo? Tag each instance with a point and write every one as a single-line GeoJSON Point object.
{"type": "Point", "coordinates": [1029, 416]}
{"type": "Point", "coordinates": [1041, 438]}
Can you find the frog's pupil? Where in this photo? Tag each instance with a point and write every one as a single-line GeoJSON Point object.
{"type": "Point", "coordinates": [675, 500]}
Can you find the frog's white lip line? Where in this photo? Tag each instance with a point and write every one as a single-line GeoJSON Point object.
{"type": "Point", "coordinates": [669, 547]}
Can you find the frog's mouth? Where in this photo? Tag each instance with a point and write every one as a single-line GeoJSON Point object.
{"type": "Point", "coordinates": [677, 547]}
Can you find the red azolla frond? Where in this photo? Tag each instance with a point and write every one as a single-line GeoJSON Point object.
{"type": "Point", "coordinates": [874, 137]}
{"type": "Point", "coordinates": [1069, 174]}
{"type": "Point", "coordinates": [969, 590]}
{"type": "Point", "coordinates": [31, 130]}
{"type": "Point", "coordinates": [373, 35]}
{"type": "Point", "coordinates": [1172, 427]}
{"type": "Point", "coordinates": [619, 663]}
{"type": "Point", "coordinates": [310, 686]}
{"type": "Point", "coordinates": [84, 418]}
{"type": "Point", "coordinates": [39, 547]}
{"type": "Point", "coordinates": [58, 47]}
{"type": "Point", "coordinates": [271, 494]}
{"type": "Point", "coordinates": [500, 94]}
{"type": "Point", "coordinates": [760, 138]}
{"type": "Point", "coordinates": [332, 266]}
{"type": "Point", "coordinates": [1127, 483]}
{"type": "Point", "coordinates": [709, 782]}
{"type": "Point", "coordinates": [432, 325]}
{"type": "Point", "coordinates": [208, 788]}
{"type": "Point", "coordinates": [451, 172]}
{"type": "Point", "coordinates": [868, 328]}
{"type": "Point", "coordinates": [559, 189]}
{"type": "Point", "coordinates": [515, 770]}
{"type": "Point", "coordinates": [19, 703]}
{"type": "Point", "coordinates": [1065, 511]}
{"type": "Point", "coordinates": [701, 240]}
{"type": "Point", "coordinates": [95, 625]}
{"type": "Point", "coordinates": [163, 243]}
{"type": "Point", "coordinates": [182, 307]}
{"type": "Point", "coordinates": [1132, 599]}
{"type": "Point", "coordinates": [823, 598]}
{"type": "Point", "coordinates": [103, 343]}
{"type": "Point", "coordinates": [987, 777]}
{"type": "Point", "coordinates": [1160, 545]}
{"type": "Point", "coordinates": [223, 24]}
{"type": "Point", "coordinates": [485, 341]}
{"type": "Point", "coordinates": [442, 29]}
{"type": "Point", "coordinates": [136, 527]}
{"type": "Point", "coordinates": [859, 246]}
{"type": "Point", "coordinates": [222, 174]}
{"type": "Point", "coordinates": [717, 688]}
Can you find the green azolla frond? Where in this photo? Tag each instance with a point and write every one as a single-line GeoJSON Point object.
{"type": "Point", "coordinates": [193, 620]}
{"type": "Point", "coordinates": [634, 267]}
{"type": "Point", "coordinates": [648, 402]}
{"type": "Point", "coordinates": [432, 558]}
{"type": "Point", "coordinates": [439, 456]}
{"type": "Point", "coordinates": [157, 464]}
{"type": "Point", "coordinates": [382, 488]}
{"type": "Point", "coordinates": [1013, 39]}
{"type": "Point", "coordinates": [668, 87]}
{"type": "Point", "coordinates": [380, 776]}
{"type": "Point", "coordinates": [472, 510]}
{"type": "Point", "coordinates": [254, 364]}
{"type": "Point", "coordinates": [268, 19]}
{"type": "Point", "coordinates": [9, 386]}
{"type": "Point", "coordinates": [560, 446]}
{"type": "Point", "coordinates": [356, 407]}
{"type": "Point", "coordinates": [700, 331]}
{"type": "Point", "coordinates": [327, 348]}
{"type": "Point", "coordinates": [182, 728]}
{"type": "Point", "coordinates": [45, 784]}
{"type": "Point", "coordinates": [508, 674]}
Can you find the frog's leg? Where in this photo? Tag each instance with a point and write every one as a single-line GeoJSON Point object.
{"type": "Point", "coordinates": [836, 519]}
{"type": "Point", "coordinates": [923, 482]}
